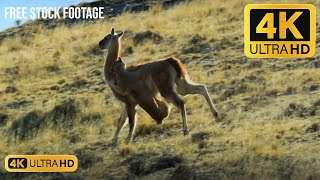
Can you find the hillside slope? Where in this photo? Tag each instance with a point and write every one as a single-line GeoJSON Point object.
{"type": "Point", "coordinates": [54, 100]}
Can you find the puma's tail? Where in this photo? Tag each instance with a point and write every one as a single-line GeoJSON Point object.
{"type": "Point", "coordinates": [178, 66]}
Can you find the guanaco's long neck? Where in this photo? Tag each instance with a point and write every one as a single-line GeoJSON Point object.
{"type": "Point", "coordinates": [112, 56]}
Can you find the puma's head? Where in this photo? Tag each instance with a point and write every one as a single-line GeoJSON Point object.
{"type": "Point", "coordinates": [118, 65]}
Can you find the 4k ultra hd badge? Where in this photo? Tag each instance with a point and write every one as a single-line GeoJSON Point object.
{"type": "Point", "coordinates": [41, 163]}
{"type": "Point", "coordinates": [279, 30]}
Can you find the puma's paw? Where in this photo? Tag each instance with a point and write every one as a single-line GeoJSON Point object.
{"type": "Point", "coordinates": [159, 122]}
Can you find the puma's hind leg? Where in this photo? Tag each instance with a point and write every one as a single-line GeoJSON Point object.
{"type": "Point", "coordinates": [164, 108]}
{"type": "Point", "coordinates": [158, 108]}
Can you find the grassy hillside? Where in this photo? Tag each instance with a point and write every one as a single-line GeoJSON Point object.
{"type": "Point", "coordinates": [54, 99]}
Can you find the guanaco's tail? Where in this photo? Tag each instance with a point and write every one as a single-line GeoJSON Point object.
{"type": "Point", "coordinates": [178, 66]}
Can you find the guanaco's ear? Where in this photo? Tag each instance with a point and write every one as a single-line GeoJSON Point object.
{"type": "Point", "coordinates": [112, 31]}
{"type": "Point", "coordinates": [120, 34]}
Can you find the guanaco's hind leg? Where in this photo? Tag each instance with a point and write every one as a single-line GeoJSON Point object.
{"type": "Point", "coordinates": [121, 122]}
{"type": "Point", "coordinates": [185, 87]}
{"type": "Point", "coordinates": [170, 93]}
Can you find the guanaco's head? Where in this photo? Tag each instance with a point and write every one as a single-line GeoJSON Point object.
{"type": "Point", "coordinates": [118, 65]}
{"type": "Point", "coordinates": [111, 39]}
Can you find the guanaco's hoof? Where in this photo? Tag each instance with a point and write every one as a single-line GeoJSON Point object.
{"type": "Point", "coordinates": [114, 143]}
{"type": "Point", "coordinates": [216, 115]}
{"type": "Point", "coordinates": [185, 132]}
{"type": "Point", "coordinates": [221, 117]}
{"type": "Point", "coordinates": [129, 141]}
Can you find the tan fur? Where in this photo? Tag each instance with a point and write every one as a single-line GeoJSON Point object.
{"type": "Point", "coordinates": [176, 63]}
{"type": "Point", "coordinates": [128, 82]}
{"type": "Point", "coordinates": [133, 83]}
{"type": "Point", "coordinates": [156, 106]}
{"type": "Point", "coordinates": [150, 87]}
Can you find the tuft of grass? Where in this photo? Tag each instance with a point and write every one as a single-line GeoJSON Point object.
{"type": "Point", "coordinates": [126, 150]}
{"type": "Point", "coordinates": [156, 8]}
